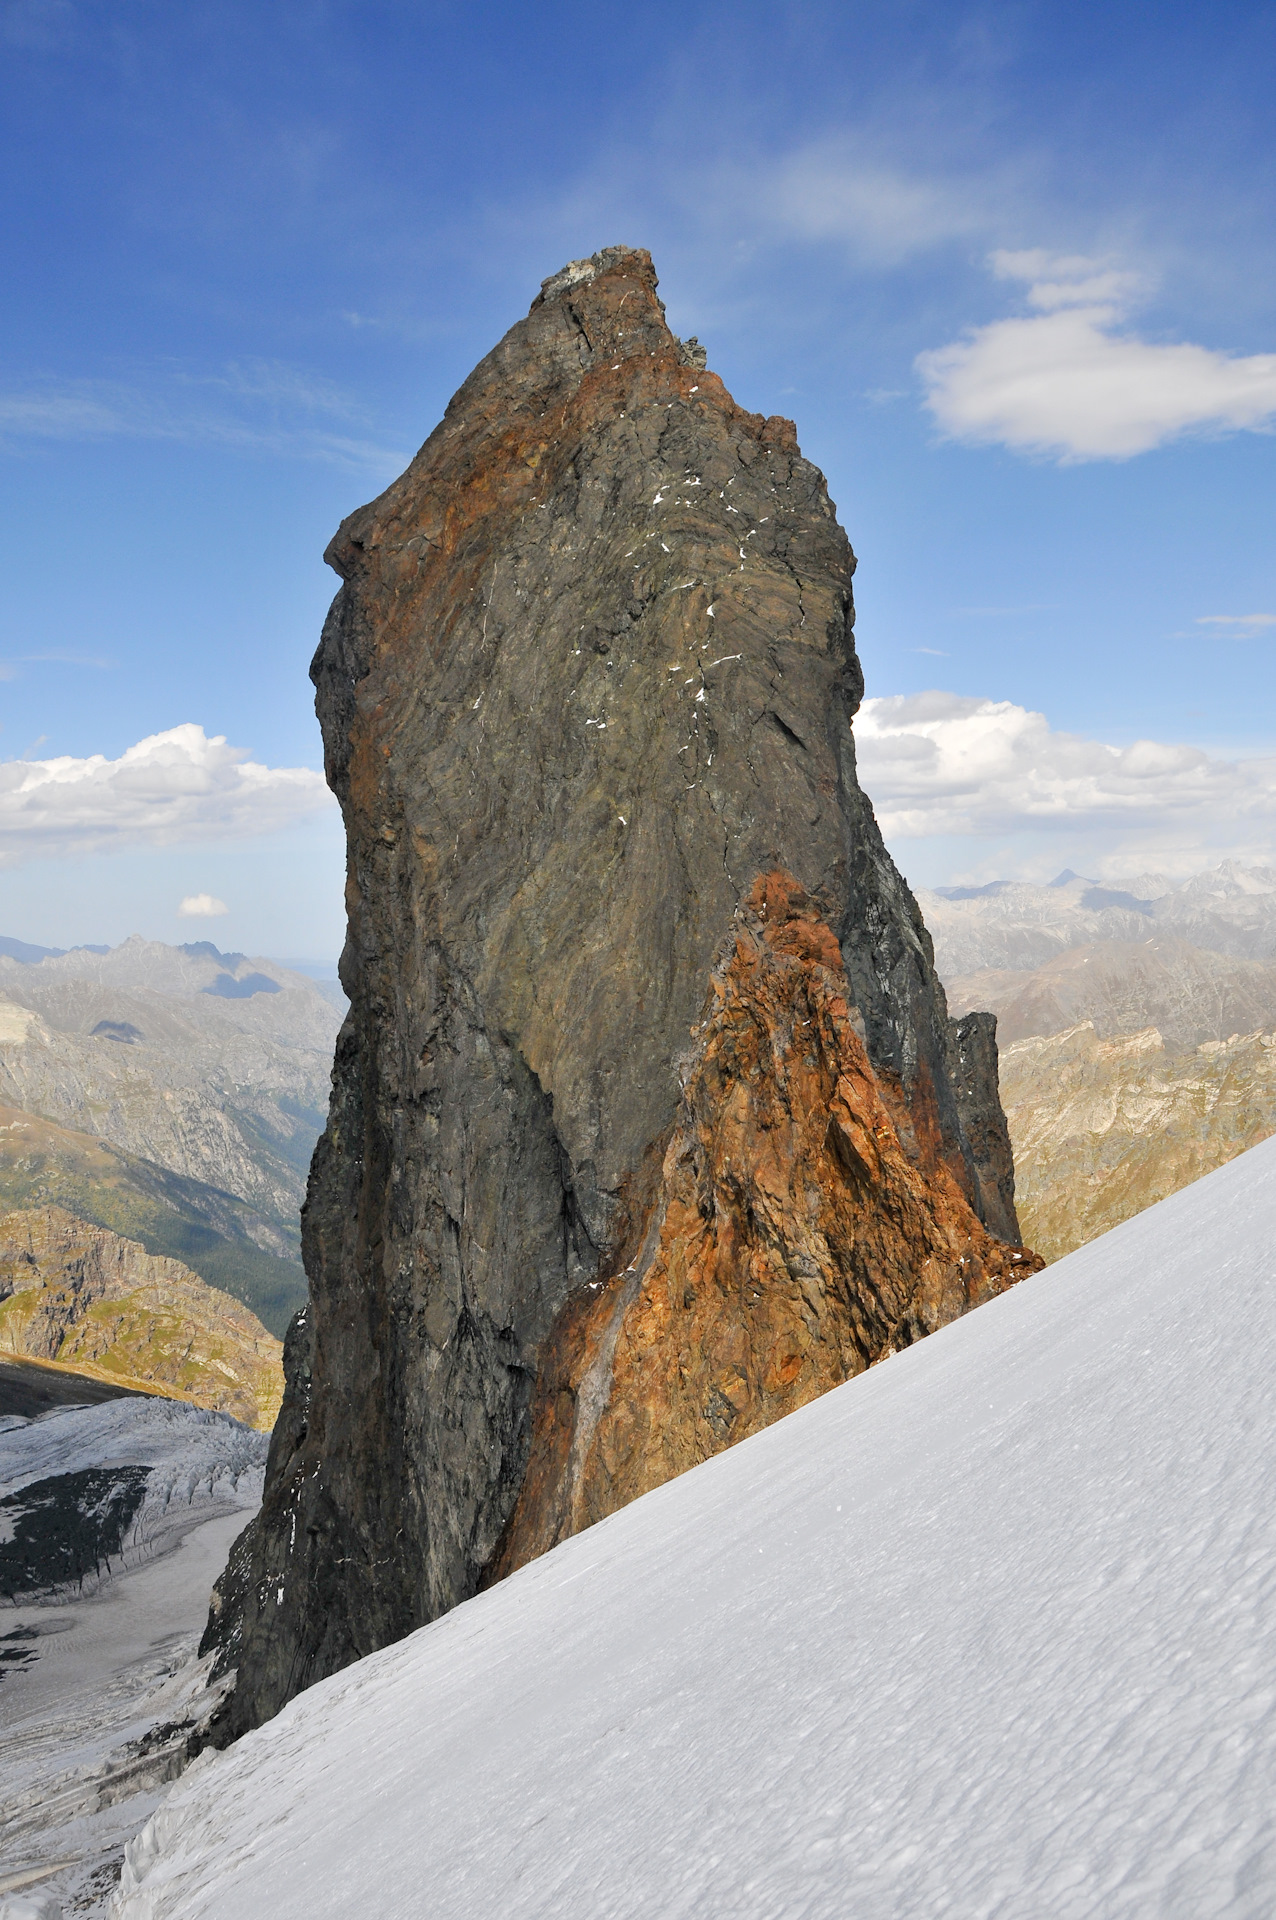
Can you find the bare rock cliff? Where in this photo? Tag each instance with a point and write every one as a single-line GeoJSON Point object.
{"type": "Point", "coordinates": [647, 1117]}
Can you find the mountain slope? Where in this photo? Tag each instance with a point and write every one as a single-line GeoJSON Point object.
{"type": "Point", "coordinates": [81, 1295]}
{"type": "Point", "coordinates": [213, 1233]}
{"type": "Point", "coordinates": [1105, 1127]}
{"type": "Point", "coordinates": [1187, 993]}
{"type": "Point", "coordinates": [1230, 909]}
{"type": "Point", "coordinates": [1135, 1027]}
{"type": "Point", "coordinates": [211, 1065]}
{"type": "Point", "coordinates": [986, 1631]}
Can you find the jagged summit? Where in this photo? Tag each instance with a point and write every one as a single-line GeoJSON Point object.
{"type": "Point", "coordinates": [636, 991]}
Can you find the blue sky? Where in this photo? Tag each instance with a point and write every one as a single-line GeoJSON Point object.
{"type": "Point", "coordinates": [1011, 269]}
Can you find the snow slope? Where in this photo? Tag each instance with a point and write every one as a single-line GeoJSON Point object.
{"type": "Point", "coordinates": [99, 1687]}
{"type": "Point", "coordinates": [987, 1632]}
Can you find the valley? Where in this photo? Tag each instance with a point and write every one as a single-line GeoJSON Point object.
{"type": "Point", "coordinates": [172, 1095]}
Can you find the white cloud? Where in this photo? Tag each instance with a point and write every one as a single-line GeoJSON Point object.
{"type": "Point", "coordinates": [169, 788]}
{"type": "Point", "coordinates": [1069, 380]}
{"type": "Point", "coordinates": [201, 906]}
{"type": "Point", "coordinates": [942, 764]}
{"type": "Point", "coordinates": [1239, 626]}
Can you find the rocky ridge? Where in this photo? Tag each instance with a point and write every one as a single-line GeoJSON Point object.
{"type": "Point", "coordinates": [82, 1296]}
{"type": "Point", "coordinates": [648, 1119]}
{"type": "Point", "coordinates": [1188, 993]}
{"type": "Point", "coordinates": [1013, 924]}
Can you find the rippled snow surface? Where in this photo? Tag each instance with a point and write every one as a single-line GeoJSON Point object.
{"type": "Point", "coordinates": [988, 1632]}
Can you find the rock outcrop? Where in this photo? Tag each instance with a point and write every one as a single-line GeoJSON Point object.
{"type": "Point", "coordinates": [647, 1117]}
{"type": "Point", "coordinates": [77, 1294]}
{"type": "Point", "coordinates": [790, 1243]}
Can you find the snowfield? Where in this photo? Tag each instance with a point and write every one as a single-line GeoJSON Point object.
{"type": "Point", "coordinates": [988, 1632]}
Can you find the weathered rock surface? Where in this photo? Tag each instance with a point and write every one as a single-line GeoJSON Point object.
{"type": "Point", "coordinates": [1103, 1127]}
{"type": "Point", "coordinates": [791, 1243]}
{"type": "Point", "coordinates": [592, 1201]}
{"type": "Point", "coordinates": [82, 1296]}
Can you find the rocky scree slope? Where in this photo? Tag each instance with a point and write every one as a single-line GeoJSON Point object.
{"type": "Point", "coordinates": [648, 1119]}
{"type": "Point", "coordinates": [82, 1296]}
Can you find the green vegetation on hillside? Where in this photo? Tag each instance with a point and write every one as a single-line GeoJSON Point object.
{"type": "Point", "coordinates": [43, 1164]}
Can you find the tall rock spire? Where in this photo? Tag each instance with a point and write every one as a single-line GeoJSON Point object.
{"type": "Point", "coordinates": [648, 1121]}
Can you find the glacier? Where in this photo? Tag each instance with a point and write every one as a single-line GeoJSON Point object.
{"type": "Point", "coordinates": [985, 1632]}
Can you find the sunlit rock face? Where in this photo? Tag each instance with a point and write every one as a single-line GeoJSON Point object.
{"type": "Point", "coordinates": [789, 1242]}
{"type": "Point", "coordinates": [593, 1202]}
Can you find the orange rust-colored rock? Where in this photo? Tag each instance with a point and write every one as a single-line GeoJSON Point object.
{"type": "Point", "coordinates": [789, 1244]}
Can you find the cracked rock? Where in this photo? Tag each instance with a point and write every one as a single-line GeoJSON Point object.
{"type": "Point", "coordinates": [592, 1200]}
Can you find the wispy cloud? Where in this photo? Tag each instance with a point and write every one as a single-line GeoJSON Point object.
{"type": "Point", "coordinates": [51, 657]}
{"type": "Point", "coordinates": [169, 788]}
{"type": "Point", "coordinates": [997, 613]}
{"type": "Point", "coordinates": [1068, 379]}
{"type": "Point", "coordinates": [1238, 626]}
{"type": "Point", "coordinates": [832, 190]}
{"type": "Point", "coordinates": [259, 406]}
{"type": "Point", "coordinates": [946, 764]}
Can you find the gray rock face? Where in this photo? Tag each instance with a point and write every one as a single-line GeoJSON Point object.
{"type": "Point", "coordinates": [973, 1064]}
{"type": "Point", "coordinates": [591, 673]}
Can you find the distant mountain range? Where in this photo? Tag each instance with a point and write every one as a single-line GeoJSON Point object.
{"type": "Point", "coordinates": [1011, 924]}
{"type": "Point", "coordinates": [172, 1094]}
{"type": "Point", "coordinates": [1136, 1026]}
